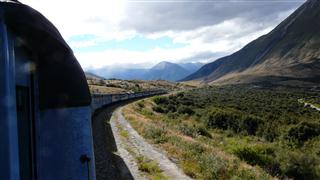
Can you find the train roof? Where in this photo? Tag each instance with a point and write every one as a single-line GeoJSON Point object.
{"type": "Point", "coordinates": [62, 82]}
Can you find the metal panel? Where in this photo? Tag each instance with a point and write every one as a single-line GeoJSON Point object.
{"type": "Point", "coordinates": [65, 136]}
{"type": "Point", "coordinates": [9, 156]}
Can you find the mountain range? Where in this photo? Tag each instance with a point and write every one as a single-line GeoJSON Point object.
{"type": "Point", "coordinates": [162, 71]}
{"type": "Point", "coordinates": [290, 53]}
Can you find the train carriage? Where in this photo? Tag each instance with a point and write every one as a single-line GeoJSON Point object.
{"type": "Point", "coordinates": [45, 114]}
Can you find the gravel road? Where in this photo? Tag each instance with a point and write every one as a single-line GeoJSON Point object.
{"type": "Point", "coordinates": [140, 147]}
{"type": "Point", "coordinates": [115, 155]}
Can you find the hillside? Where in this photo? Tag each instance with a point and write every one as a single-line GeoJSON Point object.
{"type": "Point", "coordinates": [234, 132]}
{"type": "Point", "coordinates": [191, 67]}
{"type": "Point", "coordinates": [288, 54]}
{"type": "Point", "coordinates": [99, 85]}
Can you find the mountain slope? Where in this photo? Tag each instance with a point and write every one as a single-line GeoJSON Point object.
{"type": "Point", "coordinates": [90, 75]}
{"type": "Point", "coordinates": [288, 53]}
{"type": "Point", "coordinates": [110, 72]}
{"type": "Point", "coordinates": [191, 67]}
{"type": "Point", "coordinates": [166, 71]}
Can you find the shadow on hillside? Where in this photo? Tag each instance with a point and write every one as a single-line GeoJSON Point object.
{"type": "Point", "coordinates": [108, 164]}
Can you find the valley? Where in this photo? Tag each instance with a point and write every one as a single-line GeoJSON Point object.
{"type": "Point", "coordinates": [253, 114]}
{"type": "Point", "coordinates": [225, 132]}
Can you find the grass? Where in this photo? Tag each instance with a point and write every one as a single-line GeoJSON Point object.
{"type": "Point", "coordinates": [234, 132]}
{"type": "Point", "coordinates": [124, 133]}
{"type": "Point", "coordinates": [150, 167]}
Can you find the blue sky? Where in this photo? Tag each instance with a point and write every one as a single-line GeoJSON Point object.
{"type": "Point", "coordinates": [141, 33]}
{"type": "Point", "coordinates": [137, 43]}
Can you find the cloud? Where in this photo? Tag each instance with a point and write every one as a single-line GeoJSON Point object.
{"type": "Point", "coordinates": [158, 16]}
{"type": "Point", "coordinates": [207, 29]}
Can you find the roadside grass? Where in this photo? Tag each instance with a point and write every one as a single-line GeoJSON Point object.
{"type": "Point", "coordinates": [150, 167]}
{"type": "Point", "coordinates": [124, 133]}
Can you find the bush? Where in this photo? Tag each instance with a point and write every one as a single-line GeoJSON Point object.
{"type": "Point", "coordinates": [158, 135]}
{"type": "Point", "coordinates": [298, 165]}
{"type": "Point", "coordinates": [160, 100]}
{"type": "Point", "coordinates": [140, 104]}
{"type": "Point", "coordinates": [211, 166]}
{"type": "Point", "coordinates": [158, 109]}
{"type": "Point", "coordinates": [259, 156]}
{"type": "Point", "coordinates": [203, 132]}
{"type": "Point", "coordinates": [171, 108]}
{"type": "Point", "coordinates": [148, 166]}
{"type": "Point", "coordinates": [229, 120]}
{"type": "Point", "coordinates": [194, 131]}
{"type": "Point", "coordinates": [304, 131]}
{"type": "Point", "coordinates": [185, 110]}
{"type": "Point", "coordinates": [223, 120]}
{"type": "Point", "coordinates": [188, 131]}
{"type": "Point", "coordinates": [250, 124]}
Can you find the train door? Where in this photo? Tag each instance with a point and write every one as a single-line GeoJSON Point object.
{"type": "Point", "coordinates": [25, 113]}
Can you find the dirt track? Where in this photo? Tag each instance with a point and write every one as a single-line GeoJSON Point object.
{"type": "Point", "coordinates": [112, 158]}
{"type": "Point", "coordinates": [139, 147]}
{"type": "Point", "coordinates": [109, 165]}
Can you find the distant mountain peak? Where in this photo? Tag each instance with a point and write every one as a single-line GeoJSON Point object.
{"type": "Point", "coordinates": [163, 65]}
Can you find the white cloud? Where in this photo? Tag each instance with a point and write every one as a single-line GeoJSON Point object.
{"type": "Point", "coordinates": [72, 18]}
{"type": "Point", "coordinates": [229, 30]}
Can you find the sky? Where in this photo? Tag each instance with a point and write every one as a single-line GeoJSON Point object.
{"type": "Point", "coordinates": [141, 33]}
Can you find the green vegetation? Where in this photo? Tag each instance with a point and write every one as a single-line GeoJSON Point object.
{"type": "Point", "coordinates": [215, 131]}
{"type": "Point", "coordinates": [151, 168]}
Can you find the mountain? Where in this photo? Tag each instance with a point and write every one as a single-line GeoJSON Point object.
{"type": "Point", "coordinates": [110, 72]}
{"type": "Point", "coordinates": [166, 71]}
{"type": "Point", "coordinates": [191, 67]}
{"type": "Point", "coordinates": [93, 76]}
{"type": "Point", "coordinates": [288, 54]}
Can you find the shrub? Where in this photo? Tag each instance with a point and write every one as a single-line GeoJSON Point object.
{"type": "Point", "coordinates": [148, 166]}
{"type": "Point", "coordinates": [223, 120]}
{"type": "Point", "coordinates": [185, 110]}
{"type": "Point", "coordinates": [259, 156]}
{"type": "Point", "coordinates": [158, 109]}
{"type": "Point", "coordinates": [140, 104]}
{"type": "Point", "coordinates": [160, 100]}
{"type": "Point", "coordinates": [229, 120]}
{"type": "Point", "coordinates": [194, 131]}
{"type": "Point", "coordinates": [186, 101]}
{"type": "Point", "coordinates": [158, 135]}
{"type": "Point", "coordinates": [299, 165]}
{"type": "Point", "coordinates": [211, 166]}
{"type": "Point", "coordinates": [188, 131]}
{"type": "Point", "coordinates": [203, 132]}
{"type": "Point", "coordinates": [171, 108]}
{"type": "Point", "coordinates": [250, 124]}
{"type": "Point", "coordinates": [304, 131]}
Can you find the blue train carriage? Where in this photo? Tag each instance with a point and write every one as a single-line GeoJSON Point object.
{"type": "Point", "coordinates": [45, 114]}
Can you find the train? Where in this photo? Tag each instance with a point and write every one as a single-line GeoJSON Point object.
{"type": "Point", "coordinates": [102, 100]}
{"type": "Point", "coordinates": [46, 108]}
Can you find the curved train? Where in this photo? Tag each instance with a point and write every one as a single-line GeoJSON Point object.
{"type": "Point", "coordinates": [45, 103]}
{"type": "Point", "coordinates": [101, 100]}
